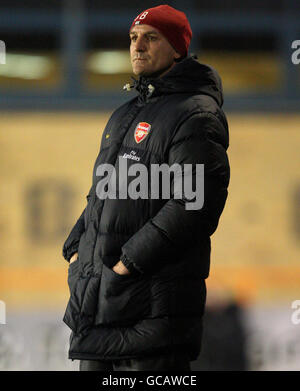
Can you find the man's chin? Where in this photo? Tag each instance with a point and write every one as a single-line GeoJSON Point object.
{"type": "Point", "coordinates": [140, 71]}
{"type": "Point", "coordinates": [143, 71]}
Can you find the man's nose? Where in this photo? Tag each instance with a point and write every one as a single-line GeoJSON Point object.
{"type": "Point", "coordinates": [140, 45]}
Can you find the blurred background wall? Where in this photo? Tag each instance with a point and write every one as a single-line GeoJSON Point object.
{"type": "Point", "coordinates": [66, 64]}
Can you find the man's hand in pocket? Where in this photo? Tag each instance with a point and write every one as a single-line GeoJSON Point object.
{"type": "Point", "coordinates": [119, 268]}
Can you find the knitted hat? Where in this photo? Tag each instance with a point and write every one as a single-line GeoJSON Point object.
{"type": "Point", "coordinates": [173, 24]}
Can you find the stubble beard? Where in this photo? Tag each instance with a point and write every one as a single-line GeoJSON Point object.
{"type": "Point", "coordinates": [154, 74]}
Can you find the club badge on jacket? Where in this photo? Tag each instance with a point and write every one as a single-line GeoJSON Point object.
{"type": "Point", "coordinates": [141, 131]}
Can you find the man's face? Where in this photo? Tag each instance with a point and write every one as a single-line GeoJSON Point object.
{"type": "Point", "coordinates": [150, 51]}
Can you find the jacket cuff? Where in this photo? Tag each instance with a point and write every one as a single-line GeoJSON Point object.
{"type": "Point", "coordinates": [68, 253]}
{"type": "Point", "coordinates": [130, 265]}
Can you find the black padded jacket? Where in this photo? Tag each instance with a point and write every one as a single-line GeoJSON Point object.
{"type": "Point", "coordinates": [159, 306]}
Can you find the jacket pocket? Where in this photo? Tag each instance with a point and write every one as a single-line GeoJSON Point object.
{"type": "Point", "coordinates": [123, 299]}
{"type": "Point", "coordinates": [73, 305]}
{"type": "Point", "coordinates": [73, 274]}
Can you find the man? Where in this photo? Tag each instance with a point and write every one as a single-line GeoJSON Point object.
{"type": "Point", "coordinates": [138, 265]}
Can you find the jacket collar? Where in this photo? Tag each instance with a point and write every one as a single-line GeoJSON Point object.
{"type": "Point", "coordinates": [188, 76]}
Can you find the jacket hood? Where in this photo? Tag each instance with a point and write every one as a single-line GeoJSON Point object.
{"type": "Point", "coordinates": [188, 76]}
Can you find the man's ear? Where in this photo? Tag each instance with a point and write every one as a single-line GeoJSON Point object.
{"type": "Point", "coordinates": [177, 56]}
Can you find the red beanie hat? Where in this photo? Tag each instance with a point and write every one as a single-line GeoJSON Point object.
{"type": "Point", "coordinates": [173, 24]}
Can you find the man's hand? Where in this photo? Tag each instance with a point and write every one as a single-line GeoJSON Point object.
{"type": "Point", "coordinates": [73, 258]}
{"type": "Point", "coordinates": [119, 268]}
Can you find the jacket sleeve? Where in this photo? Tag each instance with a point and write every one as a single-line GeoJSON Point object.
{"type": "Point", "coordinates": [70, 246]}
{"type": "Point", "coordinates": [174, 228]}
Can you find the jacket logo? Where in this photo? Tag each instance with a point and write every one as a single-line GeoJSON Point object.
{"type": "Point", "coordinates": [141, 131]}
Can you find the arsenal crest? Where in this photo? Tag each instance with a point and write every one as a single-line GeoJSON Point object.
{"type": "Point", "coordinates": [141, 131]}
